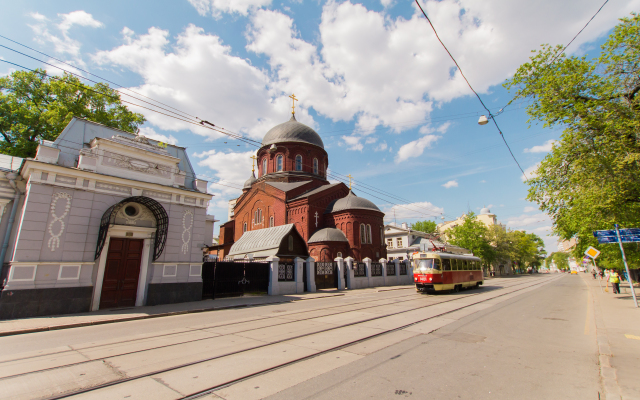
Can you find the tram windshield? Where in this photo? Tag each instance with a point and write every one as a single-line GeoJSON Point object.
{"type": "Point", "coordinates": [428, 264]}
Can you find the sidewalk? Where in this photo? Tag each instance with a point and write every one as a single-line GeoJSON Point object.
{"type": "Point", "coordinates": [50, 323]}
{"type": "Point", "coordinates": [618, 334]}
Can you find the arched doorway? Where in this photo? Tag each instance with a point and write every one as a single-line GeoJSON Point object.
{"type": "Point", "coordinates": [128, 232]}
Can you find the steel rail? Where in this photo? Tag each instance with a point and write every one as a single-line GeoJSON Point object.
{"type": "Point", "coordinates": [539, 281]}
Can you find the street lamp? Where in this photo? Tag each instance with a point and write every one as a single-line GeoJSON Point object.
{"type": "Point", "coordinates": [483, 120]}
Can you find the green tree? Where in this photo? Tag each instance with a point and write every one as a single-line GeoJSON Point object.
{"type": "Point", "coordinates": [34, 107]}
{"type": "Point", "coordinates": [589, 180]}
{"type": "Point", "coordinates": [424, 226]}
{"type": "Point", "coordinates": [473, 235]}
{"type": "Point", "coordinates": [561, 260]}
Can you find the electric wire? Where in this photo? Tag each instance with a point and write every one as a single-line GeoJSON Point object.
{"type": "Point", "coordinates": [470, 87]}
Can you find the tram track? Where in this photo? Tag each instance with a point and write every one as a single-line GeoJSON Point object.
{"type": "Point", "coordinates": [386, 302]}
{"type": "Point", "coordinates": [383, 302]}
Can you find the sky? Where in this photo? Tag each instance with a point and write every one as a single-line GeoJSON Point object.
{"type": "Point", "coordinates": [371, 79]}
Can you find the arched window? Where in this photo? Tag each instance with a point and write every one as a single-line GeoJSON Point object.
{"type": "Point", "coordinates": [339, 254]}
{"type": "Point", "coordinates": [369, 238]}
{"type": "Point", "coordinates": [271, 222]}
{"type": "Point", "coordinates": [290, 243]}
{"type": "Point", "coordinates": [279, 163]}
{"type": "Point", "coordinates": [244, 227]}
{"type": "Point", "coordinates": [257, 216]}
{"type": "Point", "coordinates": [363, 234]}
{"type": "Point", "coordinates": [298, 162]}
{"type": "Point", "coordinates": [315, 166]}
{"type": "Point", "coordinates": [381, 235]}
{"type": "Point", "coordinates": [324, 172]}
{"type": "Point", "coordinates": [264, 166]}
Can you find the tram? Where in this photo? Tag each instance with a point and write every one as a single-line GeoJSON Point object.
{"type": "Point", "coordinates": [437, 271]}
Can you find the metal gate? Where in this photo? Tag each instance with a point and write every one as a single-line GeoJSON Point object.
{"type": "Point", "coordinates": [228, 279]}
{"type": "Point", "coordinates": [326, 275]}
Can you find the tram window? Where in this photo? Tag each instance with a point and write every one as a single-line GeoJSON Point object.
{"type": "Point", "coordinates": [436, 263]}
{"type": "Point", "coordinates": [465, 265]}
{"type": "Point", "coordinates": [446, 264]}
{"type": "Point", "coordinates": [455, 265]}
{"type": "Point", "coordinates": [425, 264]}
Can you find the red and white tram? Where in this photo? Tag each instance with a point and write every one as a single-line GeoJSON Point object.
{"type": "Point", "coordinates": [436, 271]}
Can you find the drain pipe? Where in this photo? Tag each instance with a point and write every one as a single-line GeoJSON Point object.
{"type": "Point", "coordinates": [11, 176]}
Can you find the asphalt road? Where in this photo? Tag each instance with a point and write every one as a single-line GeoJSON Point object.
{"type": "Point", "coordinates": [520, 338]}
{"type": "Point", "coordinates": [539, 345]}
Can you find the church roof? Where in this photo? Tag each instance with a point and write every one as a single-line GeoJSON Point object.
{"type": "Point", "coordinates": [286, 186]}
{"type": "Point", "coordinates": [292, 131]}
{"type": "Point", "coordinates": [316, 190]}
{"type": "Point", "coordinates": [351, 202]}
{"type": "Point", "coordinates": [261, 240]}
{"type": "Point", "coordinates": [328, 235]}
{"type": "Point", "coordinates": [249, 182]}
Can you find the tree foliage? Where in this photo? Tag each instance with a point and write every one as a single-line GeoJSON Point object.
{"type": "Point", "coordinates": [34, 107]}
{"type": "Point", "coordinates": [561, 260]}
{"type": "Point", "coordinates": [590, 179]}
{"type": "Point", "coordinates": [494, 243]}
{"type": "Point", "coordinates": [424, 226]}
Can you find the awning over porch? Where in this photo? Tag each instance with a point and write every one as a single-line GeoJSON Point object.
{"type": "Point", "coordinates": [280, 241]}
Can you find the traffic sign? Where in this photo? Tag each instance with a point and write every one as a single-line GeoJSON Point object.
{"type": "Point", "coordinates": [620, 236]}
{"type": "Point", "coordinates": [592, 252]}
{"type": "Point", "coordinates": [605, 233]}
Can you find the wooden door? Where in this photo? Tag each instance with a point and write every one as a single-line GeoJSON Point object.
{"type": "Point", "coordinates": [121, 273]}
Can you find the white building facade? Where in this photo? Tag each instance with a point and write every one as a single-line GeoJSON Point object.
{"type": "Point", "coordinates": [100, 218]}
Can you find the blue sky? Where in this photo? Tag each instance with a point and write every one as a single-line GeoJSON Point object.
{"type": "Point", "coordinates": [371, 78]}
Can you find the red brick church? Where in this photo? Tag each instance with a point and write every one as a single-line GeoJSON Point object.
{"type": "Point", "coordinates": [292, 189]}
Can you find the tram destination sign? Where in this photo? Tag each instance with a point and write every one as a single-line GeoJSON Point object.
{"type": "Point", "coordinates": [631, 235]}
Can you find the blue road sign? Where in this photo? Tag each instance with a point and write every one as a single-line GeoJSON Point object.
{"type": "Point", "coordinates": [605, 233]}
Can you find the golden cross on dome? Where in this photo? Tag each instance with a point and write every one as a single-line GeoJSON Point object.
{"type": "Point", "coordinates": [253, 164]}
{"type": "Point", "coordinates": [350, 177]}
{"type": "Point", "coordinates": [293, 100]}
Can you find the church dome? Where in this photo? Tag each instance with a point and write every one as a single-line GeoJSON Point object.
{"type": "Point", "coordinates": [328, 235]}
{"type": "Point", "coordinates": [351, 202]}
{"type": "Point", "coordinates": [485, 211]}
{"type": "Point", "coordinates": [249, 182]}
{"type": "Point", "coordinates": [292, 131]}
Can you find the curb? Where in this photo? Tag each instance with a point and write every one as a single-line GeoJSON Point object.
{"type": "Point", "coordinates": [139, 317]}
{"type": "Point", "coordinates": [608, 375]}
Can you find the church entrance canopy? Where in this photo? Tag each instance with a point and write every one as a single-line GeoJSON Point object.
{"type": "Point", "coordinates": [158, 211]}
{"type": "Point", "coordinates": [281, 241]}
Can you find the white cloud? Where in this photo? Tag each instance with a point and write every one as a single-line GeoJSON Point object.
{"type": "Point", "coordinates": [353, 142]}
{"type": "Point", "coordinates": [199, 74]}
{"type": "Point", "coordinates": [483, 181]}
{"type": "Point", "coordinates": [63, 43]}
{"type": "Point", "coordinates": [529, 209]}
{"type": "Point", "coordinates": [531, 172]}
{"type": "Point", "coordinates": [527, 219]}
{"type": "Point", "coordinates": [544, 148]}
{"type": "Point", "coordinates": [230, 171]}
{"type": "Point", "coordinates": [450, 184]}
{"type": "Point", "coordinates": [415, 148]}
{"type": "Point", "coordinates": [81, 18]}
{"type": "Point", "coordinates": [412, 211]}
{"type": "Point", "coordinates": [217, 7]}
{"type": "Point", "coordinates": [381, 147]}
{"type": "Point", "coordinates": [151, 134]}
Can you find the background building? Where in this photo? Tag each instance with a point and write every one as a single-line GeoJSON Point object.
{"type": "Point", "coordinates": [403, 241]}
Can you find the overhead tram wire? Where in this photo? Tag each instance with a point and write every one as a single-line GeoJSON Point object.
{"type": "Point", "coordinates": [181, 118]}
{"type": "Point", "coordinates": [564, 48]}
{"type": "Point", "coordinates": [470, 87]}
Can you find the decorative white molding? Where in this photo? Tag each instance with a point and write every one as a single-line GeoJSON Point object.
{"type": "Point", "coordinates": [110, 187]}
{"type": "Point", "coordinates": [187, 223]}
{"type": "Point", "coordinates": [72, 278]}
{"type": "Point", "coordinates": [65, 179]}
{"type": "Point", "coordinates": [197, 268]}
{"type": "Point", "coordinates": [157, 195]}
{"type": "Point", "coordinates": [170, 270]}
{"type": "Point", "coordinates": [12, 278]}
{"type": "Point", "coordinates": [54, 240]}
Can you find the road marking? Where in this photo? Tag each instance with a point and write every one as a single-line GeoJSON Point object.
{"type": "Point", "coordinates": [588, 319]}
{"type": "Point", "coordinates": [632, 337]}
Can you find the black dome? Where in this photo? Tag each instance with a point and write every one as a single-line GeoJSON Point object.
{"type": "Point", "coordinates": [292, 131]}
{"type": "Point", "coordinates": [351, 202]}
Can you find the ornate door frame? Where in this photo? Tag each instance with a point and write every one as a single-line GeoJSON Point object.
{"type": "Point", "coordinates": [126, 232]}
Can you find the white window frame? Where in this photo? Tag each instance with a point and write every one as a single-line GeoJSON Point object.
{"type": "Point", "coordinates": [279, 163]}
{"type": "Point", "coordinates": [300, 165]}
{"type": "Point", "coordinates": [264, 166]}
{"type": "Point", "coordinates": [399, 243]}
{"type": "Point", "coordinates": [315, 166]}
{"type": "Point", "coordinates": [77, 277]}
{"type": "Point", "coordinates": [272, 222]}
{"type": "Point", "coordinates": [363, 234]}
{"type": "Point", "coordinates": [390, 243]}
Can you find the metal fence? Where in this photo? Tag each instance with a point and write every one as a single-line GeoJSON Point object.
{"type": "Point", "coordinates": [376, 269]}
{"type": "Point", "coordinates": [285, 272]}
{"type": "Point", "coordinates": [360, 269]}
{"type": "Point", "coordinates": [226, 279]}
{"type": "Point", "coordinates": [403, 268]}
{"type": "Point", "coordinates": [391, 269]}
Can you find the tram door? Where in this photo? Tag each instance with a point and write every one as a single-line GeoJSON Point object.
{"type": "Point", "coordinates": [326, 275]}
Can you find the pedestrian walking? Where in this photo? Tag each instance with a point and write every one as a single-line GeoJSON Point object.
{"type": "Point", "coordinates": [594, 274]}
{"type": "Point", "coordinates": [614, 278]}
{"type": "Point", "coordinates": [600, 273]}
